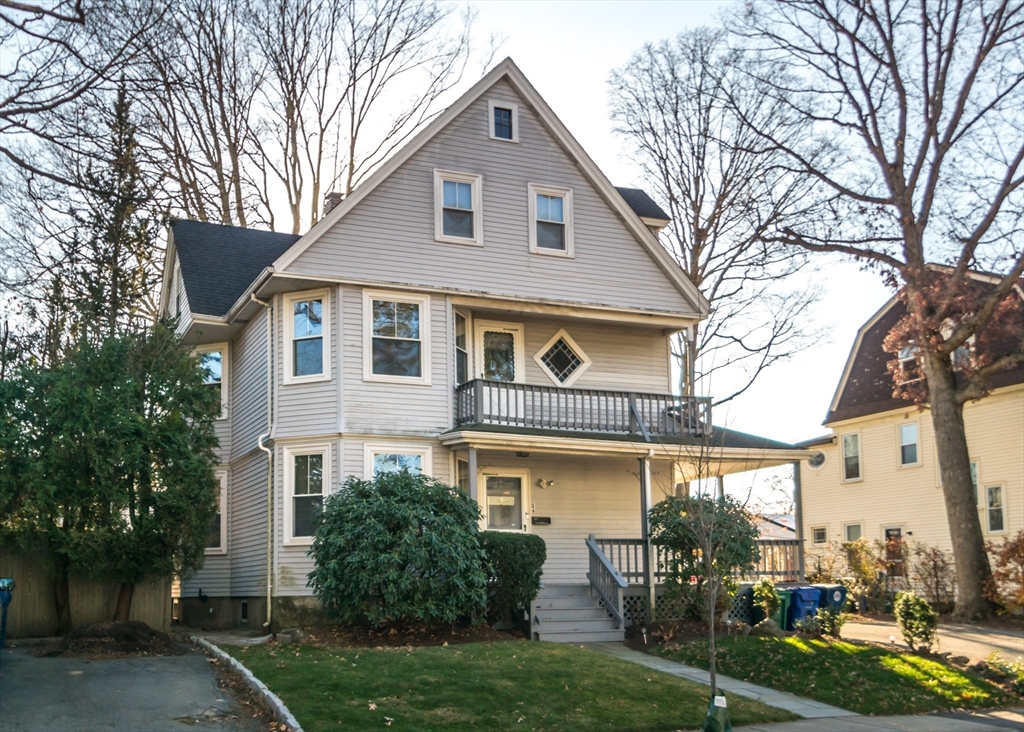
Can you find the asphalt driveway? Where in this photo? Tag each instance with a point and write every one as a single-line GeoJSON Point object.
{"type": "Point", "coordinates": [142, 694]}
{"type": "Point", "coordinates": [974, 641]}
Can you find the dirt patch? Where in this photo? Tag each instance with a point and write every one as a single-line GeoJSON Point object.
{"type": "Point", "coordinates": [112, 640]}
{"type": "Point", "coordinates": [368, 637]}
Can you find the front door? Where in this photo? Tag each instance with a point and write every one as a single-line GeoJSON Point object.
{"type": "Point", "coordinates": [505, 502]}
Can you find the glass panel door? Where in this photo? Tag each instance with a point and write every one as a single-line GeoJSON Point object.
{"type": "Point", "coordinates": [505, 503]}
{"type": "Point", "coordinates": [499, 355]}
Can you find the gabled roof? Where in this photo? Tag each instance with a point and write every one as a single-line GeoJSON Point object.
{"type": "Point", "coordinates": [642, 204]}
{"type": "Point", "coordinates": [508, 71]}
{"type": "Point", "coordinates": [218, 263]}
{"type": "Point", "coordinates": [866, 386]}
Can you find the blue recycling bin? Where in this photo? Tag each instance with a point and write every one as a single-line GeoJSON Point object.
{"type": "Point", "coordinates": [6, 593]}
{"type": "Point", "coordinates": [803, 604]}
{"type": "Point", "coordinates": [832, 597]}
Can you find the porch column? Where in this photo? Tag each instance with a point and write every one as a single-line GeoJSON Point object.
{"type": "Point", "coordinates": [650, 560]}
{"type": "Point", "coordinates": [799, 519]}
{"type": "Point", "coordinates": [720, 481]}
{"type": "Point", "coordinates": [474, 491]}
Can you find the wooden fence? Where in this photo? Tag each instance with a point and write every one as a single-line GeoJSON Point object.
{"type": "Point", "coordinates": [32, 612]}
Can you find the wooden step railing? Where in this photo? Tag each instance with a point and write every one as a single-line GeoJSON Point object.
{"type": "Point", "coordinates": [607, 582]}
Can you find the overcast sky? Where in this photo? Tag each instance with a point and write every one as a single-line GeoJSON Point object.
{"type": "Point", "coordinates": [567, 50]}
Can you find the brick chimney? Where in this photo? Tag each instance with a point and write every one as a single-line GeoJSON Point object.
{"type": "Point", "coordinates": [331, 200]}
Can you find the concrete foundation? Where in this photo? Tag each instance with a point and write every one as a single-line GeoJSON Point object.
{"type": "Point", "coordinates": [223, 612]}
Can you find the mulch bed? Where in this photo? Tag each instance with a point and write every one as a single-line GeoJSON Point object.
{"type": "Point", "coordinates": [666, 631]}
{"type": "Point", "coordinates": [112, 640]}
{"type": "Point", "coordinates": [395, 637]}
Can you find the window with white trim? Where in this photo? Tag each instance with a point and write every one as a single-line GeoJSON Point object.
{"type": "Point", "coordinates": [819, 535]}
{"type": "Point", "coordinates": [562, 359]}
{"type": "Point", "coordinates": [394, 458]}
{"type": "Point", "coordinates": [306, 479]}
{"type": "Point", "coordinates": [908, 444]}
{"type": "Point", "coordinates": [458, 207]}
{"type": "Point", "coordinates": [974, 479]}
{"type": "Point", "coordinates": [462, 366]}
{"type": "Point", "coordinates": [503, 121]}
{"type": "Point", "coordinates": [994, 508]}
{"type": "Point", "coordinates": [397, 342]}
{"type": "Point", "coordinates": [217, 541]}
{"type": "Point", "coordinates": [551, 227]}
{"type": "Point", "coordinates": [307, 330]}
{"type": "Point", "coordinates": [852, 532]}
{"type": "Point", "coordinates": [499, 349]}
{"type": "Point", "coordinates": [213, 360]}
{"type": "Point", "coordinates": [851, 456]}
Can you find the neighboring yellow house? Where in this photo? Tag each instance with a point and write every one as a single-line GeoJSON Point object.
{"type": "Point", "coordinates": [877, 474]}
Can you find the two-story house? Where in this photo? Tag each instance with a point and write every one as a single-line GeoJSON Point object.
{"type": "Point", "coordinates": [876, 475]}
{"type": "Point", "coordinates": [487, 309]}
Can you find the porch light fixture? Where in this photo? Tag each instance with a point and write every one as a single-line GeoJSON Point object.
{"type": "Point", "coordinates": [541, 483]}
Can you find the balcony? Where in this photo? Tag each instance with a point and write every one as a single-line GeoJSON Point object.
{"type": "Point", "coordinates": [581, 410]}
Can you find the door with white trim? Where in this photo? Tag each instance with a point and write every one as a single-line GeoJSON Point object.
{"type": "Point", "coordinates": [506, 503]}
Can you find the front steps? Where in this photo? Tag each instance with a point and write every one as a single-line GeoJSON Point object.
{"type": "Point", "coordinates": [571, 614]}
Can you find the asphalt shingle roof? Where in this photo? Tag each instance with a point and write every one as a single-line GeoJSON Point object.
{"type": "Point", "coordinates": [642, 204]}
{"type": "Point", "coordinates": [218, 263]}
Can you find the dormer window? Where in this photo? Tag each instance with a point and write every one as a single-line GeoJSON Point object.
{"type": "Point", "coordinates": [551, 230]}
{"type": "Point", "coordinates": [503, 120]}
{"type": "Point", "coordinates": [458, 207]}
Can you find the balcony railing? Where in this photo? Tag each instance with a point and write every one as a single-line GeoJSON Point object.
{"type": "Point", "coordinates": [582, 410]}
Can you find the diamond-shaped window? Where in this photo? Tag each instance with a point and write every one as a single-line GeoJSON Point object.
{"type": "Point", "coordinates": [562, 359]}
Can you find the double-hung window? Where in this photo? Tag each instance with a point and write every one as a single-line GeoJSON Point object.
{"type": "Point", "coordinates": [462, 373]}
{"type": "Point", "coordinates": [851, 456]}
{"type": "Point", "coordinates": [213, 360]}
{"type": "Point", "coordinates": [819, 535]}
{"type": "Point", "coordinates": [852, 532]}
{"type": "Point", "coordinates": [307, 324]}
{"type": "Point", "coordinates": [908, 444]}
{"type": "Point", "coordinates": [306, 470]}
{"type": "Point", "coordinates": [398, 337]}
{"type": "Point", "coordinates": [551, 228]}
{"type": "Point", "coordinates": [217, 541]}
{"type": "Point", "coordinates": [395, 458]}
{"type": "Point", "coordinates": [994, 507]}
{"type": "Point", "coordinates": [458, 207]}
{"type": "Point", "coordinates": [504, 121]}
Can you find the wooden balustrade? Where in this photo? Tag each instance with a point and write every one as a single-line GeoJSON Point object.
{"type": "Point", "coordinates": [585, 410]}
{"type": "Point", "coordinates": [606, 581]}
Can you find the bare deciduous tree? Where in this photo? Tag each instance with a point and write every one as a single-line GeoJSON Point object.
{"type": "Point", "coordinates": [920, 104]}
{"type": "Point", "coordinates": [727, 193]}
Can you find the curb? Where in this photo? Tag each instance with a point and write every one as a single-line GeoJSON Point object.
{"type": "Point", "coordinates": [272, 700]}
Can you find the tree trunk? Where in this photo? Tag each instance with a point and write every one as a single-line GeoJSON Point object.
{"type": "Point", "coordinates": [62, 595]}
{"type": "Point", "coordinates": [124, 602]}
{"type": "Point", "coordinates": [971, 560]}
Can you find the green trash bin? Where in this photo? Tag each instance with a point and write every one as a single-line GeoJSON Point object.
{"type": "Point", "coordinates": [782, 614]}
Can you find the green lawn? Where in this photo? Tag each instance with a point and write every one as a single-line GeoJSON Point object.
{"type": "Point", "coordinates": [865, 679]}
{"type": "Point", "coordinates": [514, 685]}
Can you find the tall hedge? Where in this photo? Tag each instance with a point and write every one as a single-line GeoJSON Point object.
{"type": "Point", "coordinates": [516, 562]}
{"type": "Point", "coordinates": [400, 548]}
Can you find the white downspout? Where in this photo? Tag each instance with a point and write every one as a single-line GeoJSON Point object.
{"type": "Point", "coordinates": [270, 456]}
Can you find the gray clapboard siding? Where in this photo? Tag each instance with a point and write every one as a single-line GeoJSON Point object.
{"type": "Point", "coordinates": [389, 236]}
{"type": "Point", "coordinates": [309, 408]}
{"type": "Point", "coordinates": [248, 385]}
{"type": "Point", "coordinates": [248, 528]}
{"type": "Point", "coordinates": [214, 578]}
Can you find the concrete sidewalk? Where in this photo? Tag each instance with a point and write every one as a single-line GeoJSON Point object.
{"type": "Point", "coordinates": [806, 708]}
{"type": "Point", "coordinates": [991, 721]}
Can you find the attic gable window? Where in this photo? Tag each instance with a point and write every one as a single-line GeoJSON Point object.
{"type": "Point", "coordinates": [458, 207]}
{"type": "Point", "coordinates": [562, 359]}
{"type": "Point", "coordinates": [503, 120]}
{"type": "Point", "coordinates": [551, 225]}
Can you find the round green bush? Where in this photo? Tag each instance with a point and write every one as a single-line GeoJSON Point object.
{"type": "Point", "coordinates": [917, 621]}
{"type": "Point", "coordinates": [516, 562]}
{"type": "Point", "coordinates": [401, 548]}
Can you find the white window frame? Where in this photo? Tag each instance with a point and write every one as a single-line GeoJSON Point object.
{"type": "Point", "coordinates": [426, 453]}
{"type": "Point", "coordinates": [580, 353]}
{"type": "Point", "coordinates": [846, 537]}
{"type": "Point", "coordinates": [470, 343]}
{"type": "Point", "coordinates": [815, 542]}
{"type": "Point", "coordinates": [224, 371]}
{"type": "Point", "coordinates": [521, 473]}
{"type": "Point", "coordinates": [425, 351]}
{"type": "Point", "coordinates": [916, 443]}
{"type": "Point", "coordinates": [288, 311]}
{"type": "Point", "coordinates": [516, 329]}
{"type": "Point", "coordinates": [477, 182]}
{"type": "Point", "coordinates": [567, 210]}
{"type": "Point", "coordinates": [222, 480]}
{"type": "Point", "coordinates": [988, 508]}
{"type": "Point", "coordinates": [290, 452]}
{"type": "Point", "coordinates": [491, 104]}
{"type": "Point", "coordinates": [842, 457]}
